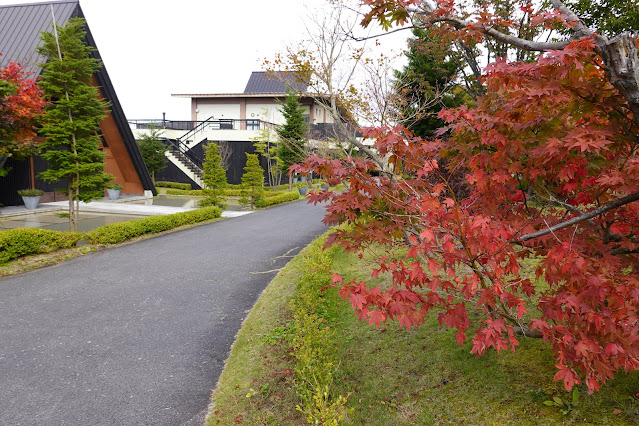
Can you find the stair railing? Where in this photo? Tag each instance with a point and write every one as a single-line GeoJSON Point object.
{"type": "Point", "coordinates": [197, 129]}
{"type": "Point", "coordinates": [187, 154]}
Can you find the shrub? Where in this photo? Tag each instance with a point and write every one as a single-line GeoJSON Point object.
{"type": "Point", "coordinates": [15, 243]}
{"type": "Point", "coordinates": [315, 354]}
{"type": "Point", "coordinates": [276, 199]}
{"type": "Point", "coordinates": [175, 185]}
{"type": "Point", "coordinates": [196, 192]}
{"type": "Point", "coordinates": [119, 232]}
{"type": "Point", "coordinates": [234, 192]}
{"type": "Point", "coordinates": [30, 192]}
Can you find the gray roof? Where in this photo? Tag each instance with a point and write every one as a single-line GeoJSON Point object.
{"type": "Point", "coordinates": [20, 27]}
{"type": "Point", "coordinates": [276, 82]}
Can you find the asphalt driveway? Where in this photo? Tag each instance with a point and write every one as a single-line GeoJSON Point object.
{"type": "Point", "coordinates": [138, 334]}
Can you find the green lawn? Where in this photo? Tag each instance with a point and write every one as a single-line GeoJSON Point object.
{"type": "Point", "coordinates": [392, 376]}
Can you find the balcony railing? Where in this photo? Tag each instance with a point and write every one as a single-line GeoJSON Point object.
{"type": "Point", "coordinates": [213, 124]}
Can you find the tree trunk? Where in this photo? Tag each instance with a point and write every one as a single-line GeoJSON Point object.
{"type": "Point", "coordinates": [72, 219]}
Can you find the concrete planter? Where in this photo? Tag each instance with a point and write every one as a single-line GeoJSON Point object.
{"type": "Point", "coordinates": [31, 203]}
{"type": "Point", "coordinates": [114, 194]}
{"type": "Point", "coordinates": [302, 191]}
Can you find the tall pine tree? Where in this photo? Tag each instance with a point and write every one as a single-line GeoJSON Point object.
{"type": "Point", "coordinates": [71, 120]}
{"type": "Point", "coordinates": [214, 177]}
{"type": "Point", "coordinates": [153, 152]}
{"type": "Point", "coordinates": [427, 84]}
{"type": "Point", "coordinates": [252, 180]}
{"type": "Point", "coordinates": [292, 134]}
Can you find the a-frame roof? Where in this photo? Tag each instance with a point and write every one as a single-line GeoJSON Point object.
{"type": "Point", "coordinates": [20, 27]}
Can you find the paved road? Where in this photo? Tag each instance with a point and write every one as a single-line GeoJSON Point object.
{"type": "Point", "coordinates": [138, 334]}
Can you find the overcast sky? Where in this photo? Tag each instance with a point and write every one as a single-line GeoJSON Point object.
{"type": "Point", "coordinates": [152, 48]}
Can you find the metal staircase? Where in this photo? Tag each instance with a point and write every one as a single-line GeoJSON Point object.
{"type": "Point", "coordinates": [182, 157]}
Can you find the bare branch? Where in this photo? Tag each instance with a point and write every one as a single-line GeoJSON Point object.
{"type": "Point", "coordinates": [586, 216]}
{"type": "Point", "coordinates": [396, 30]}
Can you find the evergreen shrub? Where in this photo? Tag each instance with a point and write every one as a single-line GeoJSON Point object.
{"type": "Point", "coordinates": [279, 198]}
{"type": "Point", "coordinates": [119, 232]}
{"type": "Point", "coordinates": [175, 185]}
{"type": "Point", "coordinates": [15, 243]}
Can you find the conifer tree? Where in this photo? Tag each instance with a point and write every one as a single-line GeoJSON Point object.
{"type": "Point", "coordinates": [153, 152]}
{"type": "Point", "coordinates": [252, 180]}
{"type": "Point", "coordinates": [214, 177]}
{"type": "Point", "coordinates": [291, 149]}
{"type": "Point", "coordinates": [71, 120]}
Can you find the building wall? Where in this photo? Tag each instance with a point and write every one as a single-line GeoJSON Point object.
{"type": "Point", "coordinates": [255, 109]}
{"type": "Point", "coordinates": [117, 160]}
{"type": "Point", "coordinates": [217, 108]}
{"type": "Point", "coordinates": [241, 108]}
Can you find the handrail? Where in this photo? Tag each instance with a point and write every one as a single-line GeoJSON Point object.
{"type": "Point", "coordinates": [183, 149]}
{"type": "Point", "coordinates": [195, 129]}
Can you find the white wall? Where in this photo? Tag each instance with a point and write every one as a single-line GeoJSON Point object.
{"type": "Point", "coordinates": [321, 115]}
{"type": "Point", "coordinates": [230, 111]}
{"type": "Point", "coordinates": [256, 112]}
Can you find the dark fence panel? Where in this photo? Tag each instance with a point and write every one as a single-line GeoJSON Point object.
{"type": "Point", "coordinates": [19, 178]}
{"type": "Point", "coordinates": [237, 162]}
{"type": "Point", "coordinates": [16, 179]}
{"type": "Point", "coordinates": [172, 174]}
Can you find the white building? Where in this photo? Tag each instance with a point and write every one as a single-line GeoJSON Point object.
{"type": "Point", "coordinates": [235, 118]}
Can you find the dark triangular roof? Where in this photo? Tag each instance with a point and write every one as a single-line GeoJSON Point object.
{"type": "Point", "coordinates": [20, 27]}
{"type": "Point", "coordinates": [273, 82]}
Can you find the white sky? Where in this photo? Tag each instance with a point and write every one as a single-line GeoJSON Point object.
{"type": "Point", "coordinates": [153, 48]}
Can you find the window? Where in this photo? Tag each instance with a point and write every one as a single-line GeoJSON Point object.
{"type": "Point", "coordinates": [252, 124]}
{"type": "Point", "coordinates": [226, 124]}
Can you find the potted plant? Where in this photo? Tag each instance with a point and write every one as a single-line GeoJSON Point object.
{"type": "Point", "coordinates": [31, 197]}
{"type": "Point", "coordinates": [114, 191]}
{"type": "Point", "coordinates": [324, 185]}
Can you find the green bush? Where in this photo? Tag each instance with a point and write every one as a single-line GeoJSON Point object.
{"type": "Point", "coordinates": [119, 232]}
{"type": "Point", "coordinates": [175, 185]}
{"type": "Point", "coordinates": [15, 243]}
{"type": "Point", "coordinates": [279, 198]}
{"type": "Point", "coordinates": [313, 342]}
{"type": "Point", "coordinates": [233, 192]}
{"type": "Point", "coordinates": [196, 192]}
{"type": "Point", "coordinates": [30, 192]}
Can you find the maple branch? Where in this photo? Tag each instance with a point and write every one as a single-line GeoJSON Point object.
{"type": "Point", "coordinates": [619, 54]}
{"type": "Point", "coordinates": [521, 43]}
{"type": "Point", "coordinates": [586, 216]}
{"type": "Point", "coordinates": [365, 38]}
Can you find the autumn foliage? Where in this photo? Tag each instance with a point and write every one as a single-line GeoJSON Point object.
{"type": "Point", "coordinates": [20, 104]}
{"type": "Point", "coordinates": [550, 157]}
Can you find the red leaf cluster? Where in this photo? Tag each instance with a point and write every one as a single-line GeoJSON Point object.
{"type": "Point", "coordinates": [550, 159]}
{"type": "Point", "coordinates": [21, 103]}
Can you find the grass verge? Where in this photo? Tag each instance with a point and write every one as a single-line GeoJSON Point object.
{"type": "Point", "coordinates": [281, 366]}
{"type": "Point", "coordinates": [398, 377]}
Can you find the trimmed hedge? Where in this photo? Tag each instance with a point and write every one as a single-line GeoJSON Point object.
{"type": "Point", "coordinates": [196, 192]}
{"type": "Point", "coordinates": [228, 192]}
{"type": "Point", "coordinates": [164, 184]}
{"type": "Point", "coordinates": [119, 232]}
{"type": "Point", "coordinates": [233, 192]}
{"type": "Point", "coordinates": [276, 199]}
{"type": "Point", "coordinates": [15, 243]}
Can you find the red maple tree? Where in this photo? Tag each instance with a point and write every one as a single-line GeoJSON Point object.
{"type": "Point", "coordinates": [550, 159]}
{"type": "Point", "coordinates": [21, 103]}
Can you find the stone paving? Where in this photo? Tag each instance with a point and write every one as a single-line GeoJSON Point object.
{"type": "Point", "coordinates": [93, 214]}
